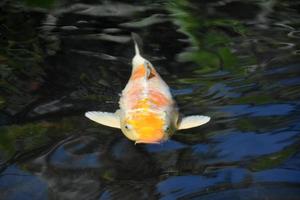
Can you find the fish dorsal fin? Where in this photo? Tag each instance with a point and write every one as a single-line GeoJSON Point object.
{"type": "Point", "coordinates": [104, 118]}
{"type": "Point", "coordinates": [192, 121]}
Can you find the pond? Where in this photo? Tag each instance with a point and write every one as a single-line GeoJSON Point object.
{"type": "Point", "coordinates": [236, 61]}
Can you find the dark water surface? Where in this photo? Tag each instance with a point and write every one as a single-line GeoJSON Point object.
{"type": "Point", "coordinates": [236, 61]}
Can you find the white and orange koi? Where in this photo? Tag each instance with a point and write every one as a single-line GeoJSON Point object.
{"type": "Point", "coordinates": [148, 113]}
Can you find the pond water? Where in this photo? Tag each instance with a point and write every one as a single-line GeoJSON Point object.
{"type": "Point", "coordinates": [236, 61]}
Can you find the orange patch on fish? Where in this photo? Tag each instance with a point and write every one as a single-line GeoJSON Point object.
{"type": "Point", "coordinates": [158, 98]}
{"type": "Point", "coordinates": [154, 98]}
{"type": "Point", "coordinates": [149, 126]}
{"type": "Point", "coordinates": [139, 72]}
{"type": "Point", "coordinates": [135, 92]}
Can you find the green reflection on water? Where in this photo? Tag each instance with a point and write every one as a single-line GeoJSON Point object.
{"type": "Point", "coordinates": [273, 160]}
{"type": "Point", "coordinates": [2, 102]}
{"type": "Point", "coordinates": [27, 137]}
{"type": "Point", "coordinates": [21, 58]}
{"type": "Point", "coordinates": [257, 99]}
{"type": "Point", "coordinates": [208, 35]}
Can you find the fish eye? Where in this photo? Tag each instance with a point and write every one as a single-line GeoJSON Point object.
{"type": "Point", "coordinates": [127, 127]}
{"type": "Point", "coordinates": [167, 128]}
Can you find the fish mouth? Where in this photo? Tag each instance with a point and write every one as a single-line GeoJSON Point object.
{"type": "Point", "coordinates": [148, 142]}
{"type": "Point", "coordinates": [156, 140]}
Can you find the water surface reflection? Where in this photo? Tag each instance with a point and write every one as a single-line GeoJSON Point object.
{"type": "Point", "coordinates": [233, 60]}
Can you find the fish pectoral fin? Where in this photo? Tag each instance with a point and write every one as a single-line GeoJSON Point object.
{"type": "Point", "coordinates": [192, 121]}
{"type": "Point", "coordinates": [104, 118]}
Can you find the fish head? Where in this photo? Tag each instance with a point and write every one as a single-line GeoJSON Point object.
{"type": "Point", "coordinates": [147, 127]}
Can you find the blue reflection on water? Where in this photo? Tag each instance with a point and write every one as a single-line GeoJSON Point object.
{"type": "Point", "coordinates": [176, 187]}
{"type": "Point", "coordinates": [238, 145]}
{"type": "Point", "coordinates": [278, 175]}
{"type": "Point", "coordinates": [65, 159]}
{"type": "Point", "coordinates": [183, 91]}
{"type": "Point", "coordinates": [169, 145]}
{"type": "Point", "coordinates": [258, 111]}
{"type": "Point", "coordinates": [201, 148]}
{"type": "Point", "coordinates": [222, 90]}
{"type": "Point", "coordinates": [18, 184]}
{"type": "Point", "coordinates": [290, 82]}
{"type": "Point", "coordinates": [181, 186]}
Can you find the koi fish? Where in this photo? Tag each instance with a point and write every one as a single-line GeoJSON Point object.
{"type": "Point", "coordinates": [148, 113]}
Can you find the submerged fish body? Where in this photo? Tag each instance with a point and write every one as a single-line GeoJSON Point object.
{"type": "Point", "coordinates": [148, 113]}
{"type": "Point", "coordinates": [147, 109]}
